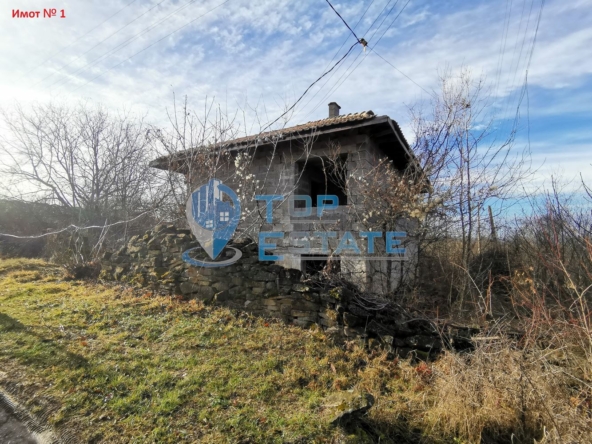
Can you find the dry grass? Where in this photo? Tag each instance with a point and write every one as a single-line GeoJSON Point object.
{"type": "Point", "coordinates": [111, 366]}
{"type": "Point", "coordinates": [499, 393]}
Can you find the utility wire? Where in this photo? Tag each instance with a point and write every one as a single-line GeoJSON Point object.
{"type": "Point", "coordinates": [156, 42]}
{"type": "Point", "coordinates": [384, 18]}
{"type": "Point", "coordinates": [358, 56]}
{"type": "Point", "coordinates": [105, 39]}
{"type": "Point", "coordinates": [78, 39]}
{"type": "Point", "coordinates": [518, 39]}
{"type": "Point", "coordinates": [402, 73]}
{"type": "Point", "coordinates": [536, 33]}
{"type": "Point", "coordinates": [505, 105]}
{"type": "Point", "coordinates": [77, 228]}
{"type": "Point", "coordinates": [326, 72]}
{"type": "Point", "coordinates": [152, 44]}
{"type": "Point", "coordinates": [311, 85]}
{"type": "Point", "coordinates": [338, 85]}
{"type": "Point", "coordinates": [355, 26]}
{"type": "Point", "coordinates": [345, 23]}
{"type": "Point", "coordinates": [525, 84]}
{"type": "Point", "coordinates": [127, 42]}
{"type": "Point", "coordinates": [354, 61]}
{"type": "Point", "coordinates": [337, 53]}
{"type": "Point", "coordinates": [523, 90]}
{"type": "Point", "coordinates": [502, 51]}
{"type": "Point", "coordinates": [359, 42]}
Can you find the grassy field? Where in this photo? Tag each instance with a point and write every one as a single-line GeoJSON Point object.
{"type": "Point", "coordinates": [107, 364]}
{"type": "Point", "coordinates": [114, 366]}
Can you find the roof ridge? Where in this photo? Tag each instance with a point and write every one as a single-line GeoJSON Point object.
{"type": "Point", "coordinates": [327, 121]}
{"type": "Point", "coordinates": [326, 125]}
{"type": "Point", "coordinates": [368, 113]}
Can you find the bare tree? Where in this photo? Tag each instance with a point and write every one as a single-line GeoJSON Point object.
{"type": "Point", "coordinates": [470, 166]}
{"type": "Point", "coordinates": [190, 146]}
{"type": "Point", "coordinates": [83, 158]}
{"type": "Point", "coordinates": [460, 166]}
{"type": "Point", "coordinates": [80, 157]}
{"type": "Point", "coordinates": [197, 146]}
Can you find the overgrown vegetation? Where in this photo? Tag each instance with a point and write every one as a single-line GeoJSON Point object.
{"type": "Point", "coordinates": [110, 365]}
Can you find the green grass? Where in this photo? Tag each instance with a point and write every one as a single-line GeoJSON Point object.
{"type": "Point", "coordinates": [113, 366]}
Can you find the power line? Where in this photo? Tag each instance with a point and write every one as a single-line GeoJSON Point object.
{"type": "Point", "coordinates": [384, 19]}
{"type": "Point", "coordinates": [308, 89]}
{"type": "Point", "coordinates": [536, 33]}
{"type": "Point", "coordinates": [127, 42]}
{"type": "Point", "coordinates": [77, 228]}
{"type": "Point", "coordinates": [105, 39]}
{"type": "Point", "coordinates": [285, 112]}
{"type": "Point", "coordinates": [79, 38]}
{"type": "Point", "coordinates": [518, 39]}
{"type": "Point", "coordinates": [311, 85]}
{"type": "Point", "coordinates": [387, 14]}
{"type": "Point", "coordinates": [338, 85]}
{"type": "Point", "coordinates": [354, 61]}
{"type": "Point", "coordinates": [337, 52]}
{"type": "Point", "coordinates": [355, 26]}
{"type": "Point", "coordinates": [402, 73]}
{"type": "Point", "coordinates": [523, 91]}
{"type": "Point", "coordinates": [500, 60]}
{"type": "Point", "coordinates": [505, 106]}
{"type": "Point", "coordinates": [359, 41]}
{"type": "Point", "coordinates": [344, 22]}
{"type": "Point", "coordinates": [156, 42]}
{"type": "Point", "coordinates": [525, 84]}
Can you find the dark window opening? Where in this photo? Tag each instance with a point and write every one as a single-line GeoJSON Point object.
{"type": "Point", "coordinates": [319, 176]}
{"type": "Point", "coordinates": [319, 264]}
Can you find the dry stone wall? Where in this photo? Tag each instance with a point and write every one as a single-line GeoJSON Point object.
{"type": "Point", "coordinates": [262, 288]}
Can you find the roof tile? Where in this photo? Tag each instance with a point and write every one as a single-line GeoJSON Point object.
{"type": "Point", "coordinates": [278, 134]}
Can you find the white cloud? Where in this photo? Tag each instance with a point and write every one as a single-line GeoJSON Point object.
{"type": "Point", "coordinates": [266, 52]}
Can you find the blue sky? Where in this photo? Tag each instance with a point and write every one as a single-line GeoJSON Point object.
{"type": "Point", "coordinates": [259, 56]}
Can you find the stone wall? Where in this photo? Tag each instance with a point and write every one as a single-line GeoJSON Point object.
{"type": "Point", "coordinates": [265, 289]}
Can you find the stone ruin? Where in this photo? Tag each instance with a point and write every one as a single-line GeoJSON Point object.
{"type": "Point", "coordinates": [270, 290]}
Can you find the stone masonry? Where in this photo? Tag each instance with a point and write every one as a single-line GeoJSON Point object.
{"type": "Point", "coordinates": [265, 289]}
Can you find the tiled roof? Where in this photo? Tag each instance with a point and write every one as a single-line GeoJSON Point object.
{"type": "Point", "coordinates": [279, 134]}
{"type": "Point", "coordinates": [274, 136]}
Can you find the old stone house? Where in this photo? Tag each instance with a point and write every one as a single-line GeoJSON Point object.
{"type": "Point", "coordinates": [311, 159]}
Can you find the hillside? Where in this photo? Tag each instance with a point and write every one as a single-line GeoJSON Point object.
{"type": "Point", "coordinates": [103, 363]}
